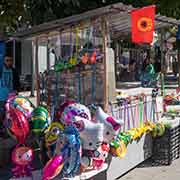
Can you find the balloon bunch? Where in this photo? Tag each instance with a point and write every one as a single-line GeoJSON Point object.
{"type": "Point", "coordinates": [96, 131]}
{"type": "Point", "coordinates": [120, 143]}
{"type": "Point", "coordinates": [17, 125]}
{"type": "Point", "coordinates": [22, 118]}
{"type": "Point", "coordinates": [66, 158]}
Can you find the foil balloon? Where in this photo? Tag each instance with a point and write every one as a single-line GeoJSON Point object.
{"type": "Point", "coordinates": [21, 103]}
{"type": "Point", "coordinates": [95, 159]}
{"type": "Point", "coordinates": [22, 157]}
{"type": "Point", "coordinates": [70, 150]}
{"type": "Point", "coordinates": [111, 125]}
{"type": "Point", "coordinates": [53, 167]}
{"type": "Point", "coordinates": [24, 105]}
{"type": "Point", "coordinates": [39, 120]}
{"type": "Point", "coordinates": [52, 133]}
{"type": "Point", "coordinates": [18, 125]}
{"type": "Point", "coordinates": [51, 137]}
{"type": "Point", "coordinates": [66, 161]}
{"type": "Point", "coordinates": [73, 110]}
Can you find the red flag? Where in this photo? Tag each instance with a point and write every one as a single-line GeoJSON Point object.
{"type": "Point", "coordinates": [142, 21]}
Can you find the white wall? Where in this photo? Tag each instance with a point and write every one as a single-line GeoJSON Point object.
{"type": "Point", "coordinates": [26, 57]}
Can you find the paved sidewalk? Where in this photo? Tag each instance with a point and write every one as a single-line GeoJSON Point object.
{"type": "Point", "coordinates": [171, 172]}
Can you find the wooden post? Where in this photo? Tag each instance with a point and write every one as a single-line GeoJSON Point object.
{"type": "Point", "coordinates": [105, 44]}
{"type": "Point", "coordinates": [37, 71]}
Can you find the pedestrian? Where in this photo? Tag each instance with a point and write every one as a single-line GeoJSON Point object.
{"type": "Point", "coordinates": [9, 82]}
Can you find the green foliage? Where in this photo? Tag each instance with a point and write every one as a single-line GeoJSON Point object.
{"type": "Point", "coordinates": [17, 13]}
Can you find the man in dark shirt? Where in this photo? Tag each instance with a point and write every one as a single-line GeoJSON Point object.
{"type": "Point", "coordinates": [9, 82]}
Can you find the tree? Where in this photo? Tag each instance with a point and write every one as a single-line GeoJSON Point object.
{"type": "Point", "coordinates": [18, 13]}
{"type": "Point", "coordinates": [12, 14]}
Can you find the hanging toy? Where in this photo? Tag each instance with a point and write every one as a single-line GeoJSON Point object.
{"type": "Point", "coordinates": [22, 157]}
{"type": "Point", "coordinates": [93, 58]}
{"type": "Point", "coordinates": [17, 125]}
{"type": "Point", "coordinates": [73, 61]}
{"type": "Point", "coordinates": [53, 167]}
{"type": "Point", "coordinates": [40, 120]}
{"type": "Point", "coordinates": [85, 58]}
{"type": "Point", "coordinates": [118, 148]}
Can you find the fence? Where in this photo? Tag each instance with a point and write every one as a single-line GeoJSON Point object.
{"type": "Point", "coordinates": [136, 112]}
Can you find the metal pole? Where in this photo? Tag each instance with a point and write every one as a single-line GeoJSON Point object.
{"type": "Point", "coordinates": [105, 45]}
{"type": "Point", "coordinates": [179, 69]}
{"type": "Point", "coordinates": [37, 72]}
{"type": "Point", "coordinates": [162, 62]}
{"type": "Point", "coordinates": [32, 70]}
{"type": "Point", "coordinates": [48, 59]}
{"type": "Point", "coordinates": [14, 52]}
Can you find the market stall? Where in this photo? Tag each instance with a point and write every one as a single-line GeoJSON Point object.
{"type": "Point", "coordinates": [83, 71]}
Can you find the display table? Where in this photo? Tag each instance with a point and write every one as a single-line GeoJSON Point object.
{"type": "Point", "coordinates": [95, 174]}
{"type": "Point", "coordinates": [137, 152]}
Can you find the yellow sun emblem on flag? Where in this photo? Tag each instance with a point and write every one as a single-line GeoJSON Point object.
{"type": "Point", "coordinates": [145, 24]}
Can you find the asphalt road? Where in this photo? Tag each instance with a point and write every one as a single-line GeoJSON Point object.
{"type": "Point", "coordinates": [171, 172]}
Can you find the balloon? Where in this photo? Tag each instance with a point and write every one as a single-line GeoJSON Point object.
{"type": "Point", "coordinates": [53, 132]}
{"type": "Point", "coordinates": [22, 157]}
{"type": "Point", "coordinates": [39, 120]}
{"type": "Point", "coordinates": [21, 103]}
{"type": "Point", "coordinates": [53, 167]}
{"type": "Point", "coordinates": [72, 151]}
{"type": "Point", "coordinates": [18, 125]}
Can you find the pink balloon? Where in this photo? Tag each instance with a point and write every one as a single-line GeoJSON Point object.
{"type": "Point", "coordinates": [53, 167]}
